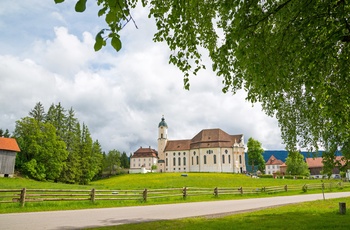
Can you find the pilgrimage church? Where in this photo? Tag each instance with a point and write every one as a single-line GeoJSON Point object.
{"type": "Point", "coordinates": [211, 150]}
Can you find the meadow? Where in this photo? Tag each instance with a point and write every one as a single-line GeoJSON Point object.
{"type": "Point", "coordinates": [152, 181]}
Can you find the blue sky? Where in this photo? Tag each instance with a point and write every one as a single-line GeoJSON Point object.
{"type": "Point", "coordinates": [46, 55]}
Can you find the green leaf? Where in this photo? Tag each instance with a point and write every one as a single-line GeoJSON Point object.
{"type": "Point", "coordinates": [80, 6]}
{"type": "Point", "coordinates": [99, 42]}
{"type": "Point", "coordinates": [116, 43]}
{"type": "Point", "coordinates": [59, 1]}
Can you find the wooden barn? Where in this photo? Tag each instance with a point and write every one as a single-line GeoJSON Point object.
{"type": "Point", "coordinates": [8, 151]}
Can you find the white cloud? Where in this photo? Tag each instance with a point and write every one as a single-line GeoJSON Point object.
{"type": "Point", "coordinates": [120, 96]}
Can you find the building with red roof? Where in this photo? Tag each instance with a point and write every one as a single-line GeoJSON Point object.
{"type": "Point", "coordinates": [8, 151]}
{"type": "Point", "coordinates": [143, 159]}
{"type": "Point", "coordinates": [273, 165]}
{"type": "Point", "coordinates": [210, 150]}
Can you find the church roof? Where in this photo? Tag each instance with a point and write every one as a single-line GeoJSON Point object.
{"type": "Point", "coordinates": [207, 138]}
{"type": "Point", "coordinates": [9, 144]}
{"type": "Point", "coordinates": [162, 123]}
{"type": "Point", "coordinates": [144, 152]}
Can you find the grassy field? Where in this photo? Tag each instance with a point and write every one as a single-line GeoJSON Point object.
{"type": "Point", "coordinates": [321, 214]}
{"type": "Point", "coordinates": [149, 181]}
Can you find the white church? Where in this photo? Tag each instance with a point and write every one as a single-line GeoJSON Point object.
{"type": "Point", "coordinates": [211, 150]}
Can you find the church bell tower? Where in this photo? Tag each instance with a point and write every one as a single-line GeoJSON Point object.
{"type": "Point", "coordinates": [162, 140]}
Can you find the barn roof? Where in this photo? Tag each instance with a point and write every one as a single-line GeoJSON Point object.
{"type": "Point", "coordinates": [9, 144]}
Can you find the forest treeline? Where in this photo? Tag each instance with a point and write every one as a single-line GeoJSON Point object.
{"type": "Point", "coordinates": [55, 146]}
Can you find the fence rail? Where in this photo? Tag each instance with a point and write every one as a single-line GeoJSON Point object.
{"type": "Point", "coordinates": [40, 195]}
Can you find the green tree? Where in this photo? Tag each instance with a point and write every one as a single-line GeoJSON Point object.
{"type": "Point", "coordinates": [5, 133]}
{"type": "Point", "coordinates": [124, 161]}
{"type": "Point", "coordinates": [38, 113]}
{"type": "Point", "coordinates": [71, 171]}
{"type": "Point", "coordinates": [112, 162]}
{"type": "Point", "coordinates": [291, 56]}
{"type": "Point", "coordinates": [296, 164]}
{"type": "Point", "coordinates": [255, 156]}
{"type": "Point", "coordinates": [42, 152]}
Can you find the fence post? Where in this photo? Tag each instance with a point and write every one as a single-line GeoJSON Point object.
{"type": "Point", "coordinates": [216, 193]}
{"type": "Point", "coordinates": [241, 189]}
{"type": "Point", "coordinates": [342, 208]}
{"type": "Point", "coordinates": [144, 195]}
{"type": "Point", "coordinates": [184, 192]}
{"type": "Point", "coordinates": [92, 195]}
{"type": "Point", "coordinates": [23, 196]}
{"type": "Point", "coordinates": [286, 188]}
{"type": "Point", "coordinates": [323, 191]}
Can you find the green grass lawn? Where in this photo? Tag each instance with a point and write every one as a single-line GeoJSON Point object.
{"type": "Point", "coordinates": [321, 214]}
{"type": "Point", "coordinates": [149, 181]}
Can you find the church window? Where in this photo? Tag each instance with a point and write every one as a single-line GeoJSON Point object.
{"type": "Point", "coordinates": [214, 156]}
{"type": "Point", "coordinates": [166, 154]}
{"type": "Point", "coordinates": [226, 151]}
{"type": "Point", "coordinates": [205, 159]}
{"type": "Point", "coordinates": [240, 159]}
{"type": "Point", "coordinates": [161, 135]}
{"type": "Point", "coordinates": [192, 161]}
{"type": "Point", "coordinates": [179, 161]}
{"type": "Point", "coordinates": [184, 153]}
{"type": "Point", "coordinates": [184, 161]}
{"type": "Point", "coordinates": [179, 153]}
{"type": "Point", "coordinates": [166, 161]}
{"type": "Point", "coordinates": [194, 152]}
{"type": "Point", "coordinates": [223, 159]}
{"type": "Point", "coordinates": [229, 159]}
{"type": "Point", "coordinates": [197, 160]}
{"type": "Point", "coordinates": [174, 154]}
{"type": "Point", "coordinates": [174, 161]}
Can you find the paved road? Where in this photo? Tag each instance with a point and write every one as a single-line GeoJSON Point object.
{"type": "Point", "coordinates": [78, 219]}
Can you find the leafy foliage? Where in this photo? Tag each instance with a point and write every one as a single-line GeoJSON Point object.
{"type": "Point", "coordinates": [55, 147]}
{"type": "Point", "coordinates": [255, 156]}
{"type": "Point", "coordinates": [292, 56]}
{"type": "Point", "coordinates": [296, 164]}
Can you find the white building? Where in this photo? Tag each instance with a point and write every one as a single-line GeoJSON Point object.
{"type": "Point", "coordinates": [142, 160]}
{"type": "Point", "coordinates": [273, 165]}
{"type": "Point", "coordinates": [211, 150]}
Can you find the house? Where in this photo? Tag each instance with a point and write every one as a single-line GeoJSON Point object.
{"type": "Point", "coordinates": [8, 151]}
{"type": "Point", "coordinates": [273, 165]}
{"type": "Point", "coordinates": [211, 150]}
{"type": "Point", "coordinates": [315, 166]}
{"type": "Point", "coordinates": [143, 160]}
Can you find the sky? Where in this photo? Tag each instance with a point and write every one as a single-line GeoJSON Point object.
{"type": "Point", "coordinates": [47, 56]}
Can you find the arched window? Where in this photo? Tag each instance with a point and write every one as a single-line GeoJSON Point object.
{"type": "Point", "coordinates": [240, 159]}
{"type": "Point", "coordinates": [174, 161]}
{"type": "Point", "coordinates": [229, 159]}
{"type": "Point", "coordinates": [226, 151]}
{"type": "Point", "coordinates": [197, 160]}
{"type": "Point", "coordinates": [214, 156]}
{"type": "Point", "coordinates": [166, 161]}
{"type": "Point", "coordinates": [205, 159]}
{"type": "Point", "coordinates": [184, 161]}
{"type": "Point", "coordinates": [179, 161]}
{"type": "Point", "coordinates": [223, 159]}
{"type": "Point", "coordinates": [192, 161]}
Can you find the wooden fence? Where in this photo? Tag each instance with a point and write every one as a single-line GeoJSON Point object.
{"type": "Point", "coordinates": [39, 195]}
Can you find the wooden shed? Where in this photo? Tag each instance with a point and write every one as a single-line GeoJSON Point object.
{"type": "Point", "coordinates": [8, 151]}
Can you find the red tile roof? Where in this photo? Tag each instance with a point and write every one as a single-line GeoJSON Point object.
{"type": "Point", "coordinates": [207, 138]}
{"type": "Point", "coordinates": [317, 161]}
{"type": "Point", "coordinates": [144, 152]}
{"type": "Point", "coordinates": [274, 161]}
{"type": "Point", "coordinates": [9, 144]}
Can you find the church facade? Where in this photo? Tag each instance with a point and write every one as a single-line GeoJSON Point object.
{"type": "Point", "coordinates": [211, 150]}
